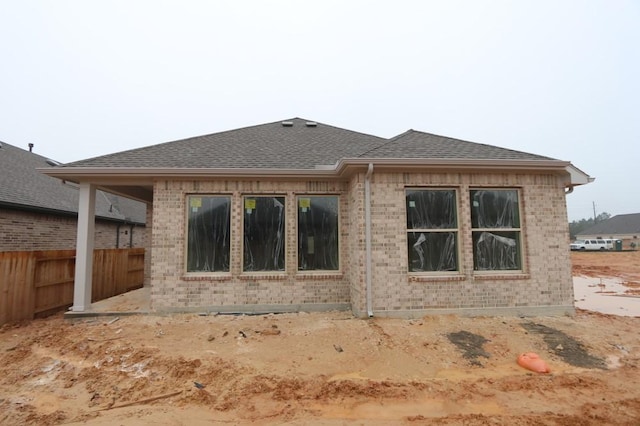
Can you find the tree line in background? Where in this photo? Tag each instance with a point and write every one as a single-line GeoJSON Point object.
{"type": "Point", "coordinates": [577, 226]}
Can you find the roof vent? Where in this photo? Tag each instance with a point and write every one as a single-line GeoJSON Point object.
{"type": "Point", "coordinates": [53, 163]}
{"type": "Point", "coordinates": [311, 124]}
{"type": "Point", "coordinates": [287, 124]}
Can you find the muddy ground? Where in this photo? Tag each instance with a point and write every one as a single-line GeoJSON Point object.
{"type": "Point", "coordinates": [327, 368]}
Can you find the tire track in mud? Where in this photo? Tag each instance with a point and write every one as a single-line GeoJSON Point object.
{"type": "Point", "coordinates": [566, 347]}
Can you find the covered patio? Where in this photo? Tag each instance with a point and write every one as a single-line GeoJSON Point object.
{"type": "Point", "coordinates": [135, 302]}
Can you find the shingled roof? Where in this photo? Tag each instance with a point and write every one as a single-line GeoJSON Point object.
{"type": "Point", "coordinates": [297, 149]}
{"type": "Point", "coordinates": [622, 224]}
{"type": "Point", "coordinates": [23, 187]}
{"type": "Point", "coordinates": [416, 144]}
{"type": "Point", "coordinates": [288, 144]}
{"type": "Point", "coordinates": [295, 144]}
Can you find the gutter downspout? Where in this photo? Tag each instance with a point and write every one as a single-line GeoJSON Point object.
{"type": "Point", "coordinates": [367, 237]}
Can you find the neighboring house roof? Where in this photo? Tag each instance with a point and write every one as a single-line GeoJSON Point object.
{"type": "Point", "coordinates": [301, 149]}
{"type": "Point", "coordinates": [23, 187]}
{"type": "Point", "coordinates": [622, 224]}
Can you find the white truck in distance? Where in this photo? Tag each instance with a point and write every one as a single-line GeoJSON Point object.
{"type": "Point", "coordinates": [594, 244]}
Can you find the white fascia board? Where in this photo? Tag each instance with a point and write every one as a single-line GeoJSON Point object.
{"type": "Point", "coordinates": [446, 163]}
{"type": "Point", "coordinates": [578, 177]}
{"type": "Point", "coordinates": [340, 169]}
{"type": "Point", "coordinates": [150, 173]}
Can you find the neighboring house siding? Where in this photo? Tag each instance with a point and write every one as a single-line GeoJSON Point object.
{"type": "Point", "coordinates": [543, 284]}
{"type": "Point", "coordinates": [25, 231]}
{"type": "Point", "coordinates": [22, 231]}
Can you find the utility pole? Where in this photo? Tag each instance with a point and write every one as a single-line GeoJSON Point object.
{"type": "Point", "coordinates": [595, 218]}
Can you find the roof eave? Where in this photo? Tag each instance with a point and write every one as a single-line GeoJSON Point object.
{"type": "Point", "coordinates": [472, 163]}
{"type": "Point", "coordinates": [577, 176]}
{"type": "Point", "coordinates": [64, 213]}
{"type": "Point", "coordinates": [149, 174]}
{"type": "Point", "coordinates": [343, 168]}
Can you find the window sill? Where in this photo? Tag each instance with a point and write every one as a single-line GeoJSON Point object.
{"type": "Point", "coordinates": [279, 275]}
{"type": "Point", "coordinates": [440, 278]}
{"type": "Point", "coordinates": [320, 275]}
{"type": "Point", "coordinates": [207, 277]}
{"type": "Point", "coordinates": [501, 276]}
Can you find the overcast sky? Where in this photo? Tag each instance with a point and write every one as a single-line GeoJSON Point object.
{"type": "Point", "coordinates": [80, 79]}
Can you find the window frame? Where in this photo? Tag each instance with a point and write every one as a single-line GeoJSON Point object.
{"type": "Point", "coordinates": [189, 205]}
{"type": "Point", "coordinates": [456, 231]}
{"type": "Point", "coordinates": [517, 230]}
{"type": "Point", "coordinates": [298, 197]}
{"type": "Point", "coordinates": [243, 199]}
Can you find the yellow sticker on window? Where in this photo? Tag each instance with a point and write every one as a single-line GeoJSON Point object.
{"type": "Point", "coordinates": [250, 203]}
{"type": "Point", "coordinates": [304, 203]}
{"type": "Point", "coordinates": [196, 202]}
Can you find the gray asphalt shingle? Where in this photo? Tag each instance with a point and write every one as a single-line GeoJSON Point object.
{"type": "Point", "coordinates": [617, 225]}
{"type": "Point", "coordinates": [298, 146]}
{"type": "Point", "coordinates": [416, 144]}
{"type": "Point", "coordinates": [22, 186]}
{"type": "Point", "coordinates": [269, 145]}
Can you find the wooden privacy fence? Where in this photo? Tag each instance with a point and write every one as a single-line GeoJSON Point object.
{"type": "Point", "coordinates": [35, 283]}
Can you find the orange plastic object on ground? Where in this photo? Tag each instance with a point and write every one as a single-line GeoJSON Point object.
{"type": "Point", "coordinates": [531, 361]}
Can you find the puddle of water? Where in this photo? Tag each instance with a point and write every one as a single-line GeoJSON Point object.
{"type": "Point", "coordinates": [605, 295]}
{"type": "Point", "coordinates": [427, 407]}
{"type": "Point", "coordinates": [356, 375]}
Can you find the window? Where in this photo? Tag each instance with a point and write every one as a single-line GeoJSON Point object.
{"type": "Point", "coordinates": [264, 234]}
{"type": "Point", "coordinates": [495, 222]}
{"type": "Point", "coordinates": [318, 233]}
{"type": "Point", "coordinates": [208, 233]}
{"type": "Point", "coordinates": [432, 230]}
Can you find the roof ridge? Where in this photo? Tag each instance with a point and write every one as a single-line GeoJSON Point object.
{"type": "Point", "coordinates": [173, 141]}
{"type": "Point", "coordinates": [625, 214]}
{"type": "Point", "coordinates": [478, 143]}
{"type": "Point", "coordinates": [387, 141]}
{"type": "Point", "coordinates": [344, 129]}
{"type": "Point", "coordinates": [222, 133]}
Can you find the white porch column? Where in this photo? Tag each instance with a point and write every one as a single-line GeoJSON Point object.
{"type": "Point", "coordinates": [84, 248]}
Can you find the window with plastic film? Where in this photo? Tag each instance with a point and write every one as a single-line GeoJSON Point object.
{"type": "Point", "coordinates": [496, 232]}
{"type": "Point", "coordinates": [264, 234]}
{"type": "Point", "coordinates": [208, 238]}
{"type": "Point", "coordinates": [432, 230]}
{"type": "Point", "coordinates": [318, 233]}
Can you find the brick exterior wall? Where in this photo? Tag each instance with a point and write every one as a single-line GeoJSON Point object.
{"type": "Point", "coordinates": [173, 289]}
{"type": "Point", "coordinates": [148, 251]}
{"type": "Point", "coordinates": [356, 258]}
{"type": "Point", "coordinates": [543, 286]}
{"type": "Point", "coordinates": [26, 231]}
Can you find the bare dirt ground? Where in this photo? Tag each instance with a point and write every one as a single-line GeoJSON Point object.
{"type": "Point", "coordinates": [622, 265]}
{"type": "Point", "coordinates": [327, 368]}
